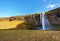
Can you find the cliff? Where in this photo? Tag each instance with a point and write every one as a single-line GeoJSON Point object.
{"type": "Point", "coordinates": [54, 16]}
{"type": "Point", "coordinates": [30, 21]}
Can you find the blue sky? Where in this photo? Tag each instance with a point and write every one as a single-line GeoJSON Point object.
{"type": "Point", "coordinates": [24, 7]}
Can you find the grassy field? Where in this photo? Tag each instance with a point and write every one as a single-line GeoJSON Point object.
{"type": "Point", "coordinates": [9, 24]}
{"type": "Point", "coordinates": [25, 35]}
{"type": "Point", "coordinates": [29, 35]}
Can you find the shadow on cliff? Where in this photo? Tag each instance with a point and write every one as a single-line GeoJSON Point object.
{"type": "Point", "coordinates": [27, 26]}
{"type": "Point", "coordinates": [32, 26]}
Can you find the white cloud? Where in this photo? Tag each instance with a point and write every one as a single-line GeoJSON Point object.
{"type": "Point", "coordinates": [50, 6]}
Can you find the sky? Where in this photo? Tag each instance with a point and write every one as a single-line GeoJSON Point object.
{"type": "Point", "coordinates": [25, 7]}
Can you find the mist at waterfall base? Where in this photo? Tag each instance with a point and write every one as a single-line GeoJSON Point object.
{"type": "Point", "coordinates": [45, 23]}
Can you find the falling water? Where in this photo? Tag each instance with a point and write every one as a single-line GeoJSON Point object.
{"type": "Point", "coordinates": [44, 21]}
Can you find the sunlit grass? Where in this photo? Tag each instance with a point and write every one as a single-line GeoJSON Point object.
{"type": "Point", "coordinates": [9, 24]}
{"type": "Point", "coordinates": [29, 35]}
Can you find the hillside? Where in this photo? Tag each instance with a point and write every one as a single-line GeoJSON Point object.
{"type": "Point", "coordinates": [20, 22]}
{"type": "Point", "coordinates": [30, 21]}
{"type": "Point", "coordinates": [54, 16]}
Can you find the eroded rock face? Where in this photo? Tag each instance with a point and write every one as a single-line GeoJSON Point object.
{"type": "Point", "coordinates": [54, 20]}
{"type": "Point", "coordinates": [53, 17]}
{"type": "Point", "coordinates": [4, 19]}
{"type": "Point", "coordinates": [35, 18]}
{"type": "Point", "coordinates": [12, 18]}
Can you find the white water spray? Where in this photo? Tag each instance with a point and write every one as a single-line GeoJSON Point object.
{"type": "Point", "coordinates": [44, 21]}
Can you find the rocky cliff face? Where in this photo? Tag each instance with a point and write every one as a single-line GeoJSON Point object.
{"type": "Point", "coordinates": [35, 18]}
{"type": "Point", "coordinates": [53, 16]}
{"type": "Point", "coordinates": [12, 18]}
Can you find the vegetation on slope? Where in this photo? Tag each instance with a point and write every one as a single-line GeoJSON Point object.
{"type": "Point", "coordinates": [9, 24]}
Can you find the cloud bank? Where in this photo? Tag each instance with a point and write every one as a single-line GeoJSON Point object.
{"type": "Point", "coordinates": [50, 6]}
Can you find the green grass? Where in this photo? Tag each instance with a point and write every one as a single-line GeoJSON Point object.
{"type": "Point", "coordinates": [56, 27]}
{"type": "Point", "coordinates": [29, 35]}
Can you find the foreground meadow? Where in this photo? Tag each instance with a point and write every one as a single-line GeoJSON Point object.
{"type": "Point", "coordinates": [25, 35]}
{"type": "Point", "coordinates": [29, 35]}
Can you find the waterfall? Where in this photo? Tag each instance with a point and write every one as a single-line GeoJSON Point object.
{"type": "Point", "coordinates": [44, 21]}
